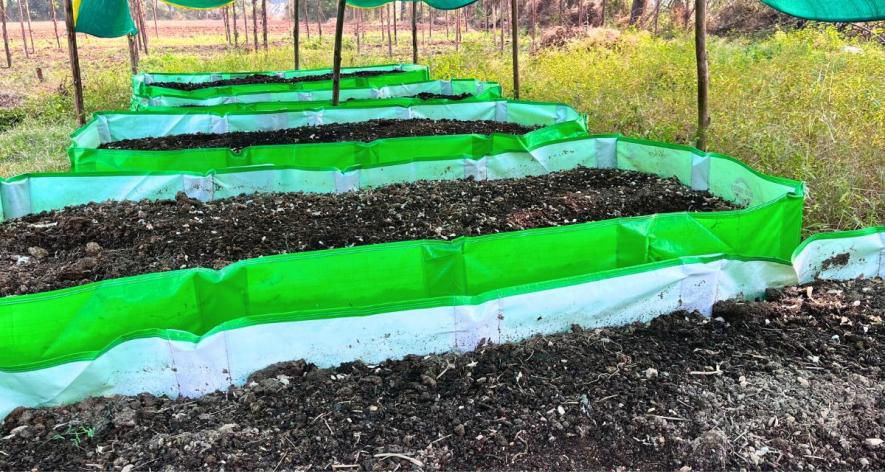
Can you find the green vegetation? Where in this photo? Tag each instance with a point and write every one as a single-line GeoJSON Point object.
{"type": "Point", "coordinates": [805, 105]}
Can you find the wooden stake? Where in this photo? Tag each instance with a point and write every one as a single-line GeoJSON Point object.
{"type": "Point", "coordinates": [336, 62]}
{"type": "Point", "coordinates": [296, 33]}
{"type": "Point", "coordinates": [75, 62]}
{"type": "Point", "coordinates": [133, 53]}
{"type": "Point", "coordinates": [319, 19]}
{"type": "Point", "coordinates": [414, 34]}
{"type": "Point", "coordinates": [514, 30]}
{"type": "Point", "coordinates": [306, 20]}
{"type": "Point", "coordinates": [157, 24]}
{"type": "Point", "coordinates": [703, 72]}
{"type": "Point", "coordinates": [5, 34]}
{"type": "Point", "coordinates": [395, 37]}
{"type": "Point", "coordinates": [245, 25]}
{"type": "Point", "coordinates": [141, 28]}
{"type": "Point", "coordinates": [389, 36]}
{"type": "Point", "coordinates": [226, 19]}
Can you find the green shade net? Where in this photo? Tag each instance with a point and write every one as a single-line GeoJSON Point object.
{"type": "Point", "coordinates": [438, 4]}
{"type": "Point", "coordinates": [831, 10]}
{"type": "Point", "coordinates": [103, 18]}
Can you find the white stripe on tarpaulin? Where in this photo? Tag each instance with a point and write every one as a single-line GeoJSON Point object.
{"type": "Point", "coordinates": [175, 368]}
{"type": "Point", "coordinates": [842, 258]}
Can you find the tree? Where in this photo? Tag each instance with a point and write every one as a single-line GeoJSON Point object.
{"type": "Point", "coordinates": [636, 11]}
{"type": "Point", "coordinates": [5, 34]}
{"type": "Point", "coordinates": [54, 22]}
{"type": "Point", "coordinates": [264, 21]}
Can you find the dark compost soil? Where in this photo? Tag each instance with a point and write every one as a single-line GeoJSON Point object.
{"type": "Point", "coordinates": [94, 242]}
{"type": "Point", "coordinates": [363, 131]}
{"type": "Point", "coordinates": [268, 79]}
{"type": "Point", "coordinates": [791, 384]}
{"type": "Point", "coordinates": [432, 96]}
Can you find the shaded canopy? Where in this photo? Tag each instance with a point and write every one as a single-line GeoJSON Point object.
{"type": "Point", "coordinates": [438, 4]}
{"type": "Point", "coordinates": [831, 10]}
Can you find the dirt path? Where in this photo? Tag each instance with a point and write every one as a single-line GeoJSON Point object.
{"type": "Point", "coordinates": [793, 384]}
{"type": "Point", "coordinates": [363, 131]}
{"type": "Point", "coordinates": [102, 241]}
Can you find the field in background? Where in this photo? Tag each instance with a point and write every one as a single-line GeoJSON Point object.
{"type": "Point", "coordinates": [808, 105]}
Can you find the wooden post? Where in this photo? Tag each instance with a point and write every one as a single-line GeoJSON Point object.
{"type": "Point", "coordinates": [306, 20]}
{"type": "Point", "coordinates": [514, 29]}
{"type": "Point", "coordinates": [245, 25]}
{"type": "Point", "coordinates": [395, 37]}
{"type": "Point", "coordinates": [133, 53]}
{"type": "Point", "coordinates": [336, 62]}
{"type": "Point", "coordinates": [75, 62]}
{"type": "Point", "coordinates": [226, 19]}
{"type": "Point", "coordinates": [414, 33]}
{"type": "Point", "coordinates": [141, 28]}
{"type": "Point", "coordinates": [264, 22]}
{"type": "Point", "coordinates": [296, 33]}
{"type": "Point", "coordinates": [5, 34]}
{"type": "Point", "coordinates": [319, 20]}
{"type": "Point", "coordinates": [703, 73]}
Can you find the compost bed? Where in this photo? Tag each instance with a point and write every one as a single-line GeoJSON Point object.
{"type": "Point", "coordinates": [268, 79]}
{"type": "Point", "coordinates": [363, 131]}
{"type": "Point", "coordinates": [795, 383]}
{"type": "Point", "coordinates": [94, 242]}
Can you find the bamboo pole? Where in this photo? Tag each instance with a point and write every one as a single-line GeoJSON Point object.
{"type": "Point", "coordinates": [5, 34]}
{"type": "Point", "coordinates": [75, 62]}
{"type": "Point", "coordinates": [703, 72]}
{"type": "Point", "coordinates": [296, 33]}
{"type": "Point", "coordinates": [336, 62]}
{"type": "Point", "coordinates": [414, 33]}
{"type": "Point", "coordinates": [514, 31]}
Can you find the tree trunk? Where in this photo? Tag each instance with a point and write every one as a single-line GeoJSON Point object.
{"type": "Point", "coordinates": [447, 24]}
{"type": "Point", "coordinates": [233, 9]}
{"type": "Point", "coordinates": [357, 17]}
{"type": "Point", "coordinates": [224, 20]}
{"type": "Point", "coordinates": [657, 14]}
{"type": "Point", "coordinates": [139, 13]}
{"type": "Point", "coordinates": [514, 31]}
{"type": "Point", "coordinates": [602, 14]}
{"type": "Point", "coordinates": [157, 24]}
{"type": "Point", "coordinates": [561, 14]}
{"type": "Point", "coordinates": [700, 16]}
{"type": "Point", "coordinates": [54, 22]}
{"type": "Point", "coordinates": [306, 20]}
{"type": "Point", "coordinates": [395, 37]}
{"type": "Point", "coordinates": [264, 22]}
{"type": "Point", "coordinates": [75, 62]}
{"type": "Point", "coordinates": [255, 24]}
{"type": "Point", "coordinates": [21, 23]}
{"type": "Point", "coordinates": [636, 11]}
{"type": "Point", "coordinates": [503, 21]}
{"type": "Point", "coordinates": [414, 34]}
{"type": "Point", "coordinates": [245, 25]}
{"type": "Point", "coordinates": [389, 34]}
{"type": "Point", "coordinates": [296, 26]}
{"type": "Point", "coordinates": [5, 34]}
{"type": "Point", "coordinates": [319, 19]}
{"type": "Point", "coordinates": [30, 29]}
{"type": "Point", "coordinates": [133, 53]}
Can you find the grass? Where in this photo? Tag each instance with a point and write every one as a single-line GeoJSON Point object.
{"type": "Point", "coordinates": [798, 104]}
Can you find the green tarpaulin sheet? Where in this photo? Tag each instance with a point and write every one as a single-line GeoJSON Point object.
{"type": "Point", "coordinates": [831, 10]}
{"type": "Point", "coordinates": [438, 4]}
{"type": "Point", "coordinates": [198, 4]}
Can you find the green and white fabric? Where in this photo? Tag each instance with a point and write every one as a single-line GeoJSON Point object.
{"type": "Point", "coordinates": [438, 4]}
{"type": "Point", "coordinates": [842, 256]}
{"type": "Point", "coordinates": [832, 10]}
{"type": "Point", "coordinates": [479, 89]}
{"type": "Point", "coordinates": [559, 122]}
{"type": "Point", "coordinates": [143, 88]}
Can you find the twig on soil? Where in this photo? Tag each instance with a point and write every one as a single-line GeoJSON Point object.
{"type": "Point", "coordinates": [707, 372]}
{"type": "Point", "coordinates": [671, 418]}
{"type": "Point", "coordinates": [345, 466]}
{"type": "Point", "coordinates": [387, 455]}
{"type": "Point", "coordinates": [281, 461]}
{"type": "Point", "coordinates": [438, 440]}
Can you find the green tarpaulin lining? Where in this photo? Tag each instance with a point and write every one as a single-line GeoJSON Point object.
{"type": "Point", "coordinates": [254, 102]}
{"type": "Point", "coordinates": [198, 4]}
{"type": "Point", "coordinates": [438, 4]}
{"type": "Point", "coordinates": [79, 323]}
{"type": "Point", "coordinates": [561, 122]}
{"type": "Point", "coordinates": [141, 83]}
{"type": "Point", "coordinates": [831, 10]}
{"type": "Point", "coordinates": [103, 18]}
